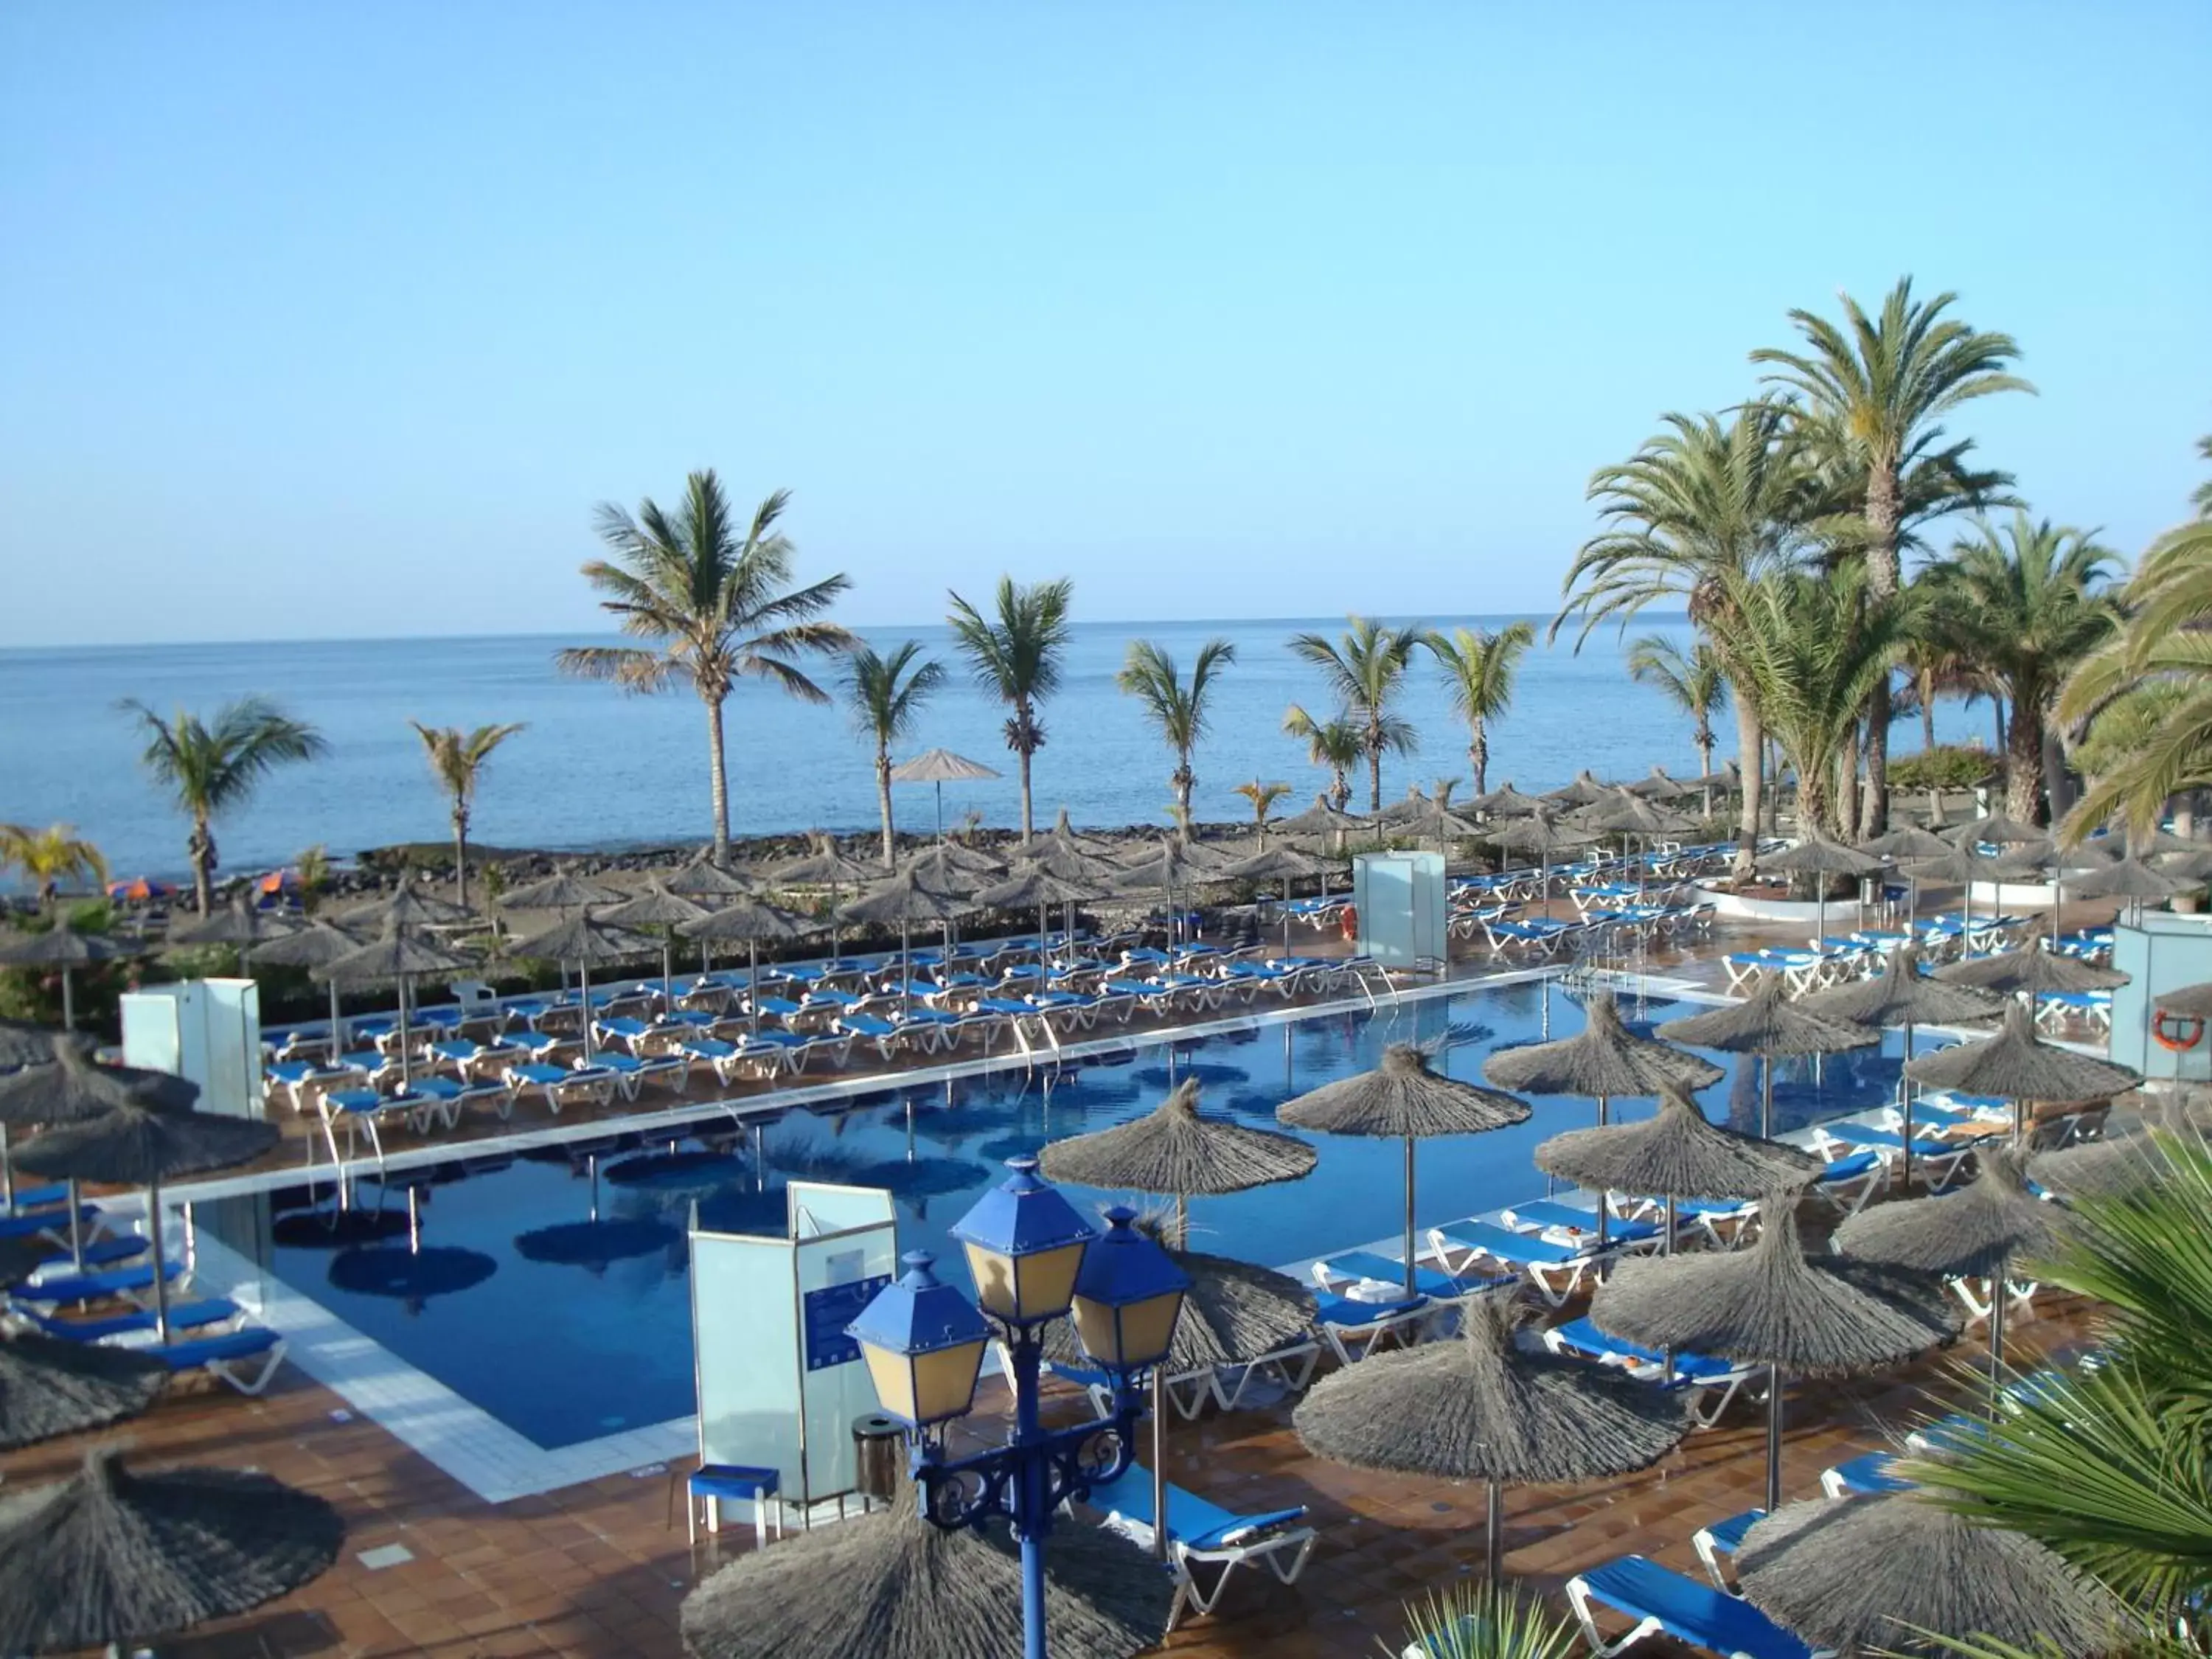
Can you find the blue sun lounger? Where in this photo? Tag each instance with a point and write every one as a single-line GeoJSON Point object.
{"type": "Point", "coordinates": [1662, 1601]}
{"type": "Point", "coordinates": [1203, 1534]}
{"type": "Point", "coordinates": [52, 1224]}
{"type": "Point", "coordinates": [1715, 1381]}
{"type": "Point", "coordinates": [97, 1253]}
{"type": "Point", "coordinates": [1718, 1544]}
{"type": "Point", "coordinates": [183, 1317]}
{"type": "Point", "coordinates": [1555, 1270]}
{"type": "Point", "coordinates": [72, 1290]}
{"type": "Point", "coordinates": [1354, 1329]}
{"type": "Point", "coordinates": [230, 1355]}
{"type": "Point", "coordinates": [1867, 1474]}
{"type": "Point", "coordinates": [1545, 1215]}
{"type": "Point", "coordinates": [1941, 1161]}
{"type": "Point", "coordinates": [36, 1198]}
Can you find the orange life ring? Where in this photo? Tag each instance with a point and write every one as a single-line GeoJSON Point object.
{"type": "Point", "coordinates": [1348, 923]}
{"type": "Point", "coordinates": [2176, 1033]}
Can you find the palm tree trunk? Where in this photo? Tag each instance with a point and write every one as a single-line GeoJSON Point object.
{"type": "Point", "coordinates": [202, 852]}
{"type": "Point", "coordinates": [1997, 716]}
{"type": "Point", "coordinates": [2024, 762]}
{"type": "Point", "coordinates": [1928, 714]}
{"type": "Point", "coordinates": [461, 850]}
{"type": "Point", "coordinates": [1751, 762]}
{"type": "Point", "coordinates": [1847, 784]}
{"type": "Point", "coordinates": [1478, 756]}
{"type": "Point", "coordinates": [1374, 777]}
{"type": "Point", "coordinates": [719, 776]}
{"type": "Point", "coordinates": [883, 801]}
{"type": "Point", "coordinates": [1026, 816]}
{"type": "Point", "coordinates": [2058, 785]}
{"type": "Point", "coordinates": [1884, 575]}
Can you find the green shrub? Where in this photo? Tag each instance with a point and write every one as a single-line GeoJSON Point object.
{"type": "Point", "coordinates": [1473, 1621]}
{"type": "Point", "coordinates": [1947, 766]}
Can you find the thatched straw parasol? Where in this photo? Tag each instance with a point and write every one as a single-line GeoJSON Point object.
{"type": "Point", "coordinates": [240, 923]}
{"type": "Point", "coordinates": [1660, 785]}
{"type": "Point", "coordinates": [562, 890]}
{"type": "Point", "coordinates": [1767, 1024]}
{"type": "Point", "coordinates": [1623, 812]}
{"type": "Point", "coordinates": [2098, 1169]}
{"type": "Point", "coordinates": [111, 1555]}
{"type": "Point", "coordinates": [892, 1586]}
{"type": "Point", "coordinates": [2032, 970]}
{"type": "Point", "coordinates": [906, 898]}
{"type": "Point", "coordinates": [1403, 1099]}
{"type": "Point", "coordinates": [1770, 1305]}
{"type": "Point", "coordinates": [2188, 1002]}
{"type": "Point", "coordinates": [656, 908]}
{"type": "Point", "coordinates": [1283, 864]}
{"type": "Point", "coordinates": [939, 767]}
{"type": "Point", "coordinates": [1902, 995]}
{"type": "Point", "coordinates": [1064, 832]}
{"type": "Point", "coordinates": [2018, 1066]}
{"type": "Point", "coordinates": [1480, 1408]}
{"type": "Point", "coordinates": [1995, 831]}
{"type": "Point", "coordinates": [50, 1387]}
{"type": "Point", "coordinates": [63, 947]}
{"type": "Point", "coordinates": [1970, 1234]}
{"type": "Point", "coordinates": [1907, 841]}
{"type": "Point", "coordinates": [1408, 808]}
{"type": "Point", "coordinates": [1897, 1572]}
{"type": "Point", "coordinates": [68, 1088]}
{"type": "Point", "coordinates": [1067, 860]}
{"type": "Point", "coordinates": [961, 869]}
{"type": "Point", "coordinates": [409, 906]}
{"type": "Point", "coordinates": [395, 958]}
{"type": "Point", "coordinates": [581, 939]}
{"type": "Point", "coordinates": [1506, 802]}
{"type": "Point", "coordinates": [703, 878]}
{"type": "Point", "coordinates": [1178, 1153]}
{"type": "Point", "coordinates": [1032, 884]}
{"type": "Point", "coordinates": [1677, 1154]}
{"type": "Point", "coordinates": [1540, 833]}
{"type": "Point", "coordinates": [751, 920]}
{"type": "Point", "coordinates": [2129, 879]}
{"type": "Point", "coordinates": [315, 946]}
{"type": "Point", "coordinates": [22, 1043]}
{"type": "Point", "coordinates": [138, 1144]}
{"type": "Point", "coordinates": [826, 868]}
{"type": "Point", "coordinates": [1817, 855]}
{"type": "Point", "coordinates": [1582, 792]}
{"type": "Point", "coordinates": [1962, 866]}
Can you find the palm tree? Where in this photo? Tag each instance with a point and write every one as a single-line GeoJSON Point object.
{"type": "Point", "coordinates": [885, 695]}
{"type": "Point", "coordinates": [718, 605]}
{"type": "Point", "coordinates": [1874, 397]}
{"type": "Point", "coordinates": [1699, 507]}
{"type": "Point", "coordinates": [1264, 797]}
{"type": "Point", "coordinates": [46, 858]}
{"type": "Point", "coordinates": [1015, 653]}
{"type": "Point", "coordinates": [211, 768]}
{"type": "Point", "coordinates": [1694, 681]}
{"type": "Point", "coordinates": [1807, 648]}
{"type": "Point", "coordinates": [1177, 710]}
{"type": "Point", "coordinates": [1366, 669]}
{"type": "Point", "coordinates": [2149, 690]}
{"type": "Point", "coordinates": [1479, 667]}
{"type": "Point", "coordinates": [457, 757]}
{"type": "Point", "coordinates": [2025, 603]}
{"type": "Point", "coordinates": [2105, 1465]}
{"type": "Point", "coordinates": [1333, 743]}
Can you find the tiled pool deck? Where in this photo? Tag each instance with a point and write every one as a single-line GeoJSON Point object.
{"type": "Point", "coordinates": [507, 1548]}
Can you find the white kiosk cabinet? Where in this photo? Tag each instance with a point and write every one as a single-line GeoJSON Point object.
{"type": "Point", "coordinates": [208, 1030]}
{"type": "Point", "coordinates": [1401, 900]}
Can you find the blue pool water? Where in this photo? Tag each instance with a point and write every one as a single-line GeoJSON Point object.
{"type": "Point", "coordinates": [566, 1330]}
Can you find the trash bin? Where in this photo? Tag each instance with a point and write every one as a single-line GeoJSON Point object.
{"type": "Point", "coordinates": [879, 1456]}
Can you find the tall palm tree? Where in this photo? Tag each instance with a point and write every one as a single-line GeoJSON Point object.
{"type": "Point", "coordinates": [1808, 648]}
{"type": "Point", "coordinates": [1365, 669]}
{"type": "Point", "coordinates": [1700, 506]}
{"type": "Point", "coordinates": [211, 768]}
{"type": "Point", "coordinates": [715, 599]}
{"type": "Point", "coordinates": [46, 858]}
{"type": "Point", "coordinates": [1480, 668]}
{"type": "Point", "coordinates": [1175, 709]}
{"type": "Point", "coordinates": [1695, 681]}
{"type": "Point", "coordinates": [1015, 653]}
{"type": "Point", "coordinates": [2149, 690]}
{"type": "Point", "coordinates": [1264, 797]}
{"type": "Point", "coordinates": [457, 760]}
{"type": "Point", "coordinates": [1334, 743]}
{"type": "Point", "coordinates": [1875, 391]}
{"type": "Point", "coordinates": [885, 695]}
{"type": "Point", "coordinates": [2025, 602]}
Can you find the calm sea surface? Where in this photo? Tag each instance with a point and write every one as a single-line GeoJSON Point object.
{"type": "Point", "coordinates": [599, 770]}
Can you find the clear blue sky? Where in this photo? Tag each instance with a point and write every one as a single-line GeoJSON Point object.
{"type": "Point", "coordinates": [339, 319]}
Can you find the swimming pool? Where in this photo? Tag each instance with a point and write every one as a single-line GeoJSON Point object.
{"type": "Point", "coordinates": [549, 1288]}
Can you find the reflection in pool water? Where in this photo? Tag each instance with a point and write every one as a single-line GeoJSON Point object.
{"type": "Point", "coordinates": [581, 1325]}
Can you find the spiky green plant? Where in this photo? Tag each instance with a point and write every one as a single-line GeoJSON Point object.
{"type": "Point", "coordinates": [1015, 653]}
{"type": "Point", "coordinates": [1474, 1621]}
{"type": "Point", "coordinates": [886, 696]}
{"type": "Point", "coordinates": [1479, 667]}
{"type": "Point", "coordinates": [714, 599]}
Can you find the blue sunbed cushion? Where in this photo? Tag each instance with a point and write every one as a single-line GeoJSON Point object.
{"type": "Point", "coordinates": [1345, 1312]}
{"type": "Point", "coordinates": [1870, 1473]}
{"type": "Point", "coordinates": [1383, 1270]}
{"type": "Point", "coordinates": [182, 1315]}
{"type": "Point", "coordinates": [241, 1344]}
{"type": "Point", "coordinates": [1192, 1522]}
{"type": "Point", "coordinates": [1726, 1537]}
{"type": "Point", "coordinates": [1689, 1611]}
{"type": "Point", "coordinates": [37, 1222]}
{"type": "Point", "coordinates": [1508, 1246]}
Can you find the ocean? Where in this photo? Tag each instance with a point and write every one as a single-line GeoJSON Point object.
{"type": "Point", "coordinates": [597, 769]}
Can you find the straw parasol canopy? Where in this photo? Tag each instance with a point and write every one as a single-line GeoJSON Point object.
{"type": "Point", "coordinates": [72, 1087]}
{"type": "Point", "coordinates": [1175, 1151]}
{"type": "Point", "coordinates": [1623, 812]}
{"type": "Point", "coordinates": [112, 1555]}
{"type": "Point", "coordinates": [1233, 1312]}
{"type": "Point", "coordinates": [563, 890]}
{"type": "Point", "coordinates": [656, 907]}
{"type": "Point", "coordinates": [1506, 802]}
{"type": "Point", "coordinates": [1067, 860]}
{"type": "Point", "coordinates": [315, 946]}
{"type": "Point", "coordinates": [1994, 830]}
{"type": "Point", "coordinates": [50, 1387]}
{"type": "Point", "coordinates": [703, 878]}
{"type": "Point", "coordinates": [583, 938]}
{"type": "Point", "coordinates": [60, 946]}
{"type": "Point", "coordinates": [1480, 1408]}
{"type": "Point", "coordinates": [2188, 1002]}
{"type": "Point", "coordinates": [1582, 792]}
{"type": "Point", "coordinates": [397, 953]}
{"type": "Point", "coordinates": [825, 867]}
{"type": "Point", "coordinates": [1897, 1572]}
{"type": "Point", "coordinates": [1603, 1060]}
{"type": "Point", "coordinates": [937, 868]}
{"type": "Point", "coordinates": [1907, 841]}
{"type": "Point", "coordinates": [409, 906]}
{"type": "Point", "coordinates": [1540, 833]}
{"type": "Point", "coordinates": [2018, 1066]}
{"type": "Point", "coordinates": [1408, 808]}
{"type": "Point", "coordinates": [1320, 819]}
{"type": "Point", "coordinates": [1767, 1024]}
{"type": "Point", "coordinates": [1677, 1154]}
{"type": "Point", "coordinates": [2098, 1169]}
{"type": "Point", "coordinates": [1771, 1305]}
{"type": "Point", "coordinates": [1902, 995]}
{"type": "Point", "coordinates": [2194, 864]}
{"type": "Point", "coordinates": [940, 766]}
{"type": "Point", "coordinates": [2127, 878]}
{"type": "Point", "coordinates": [1064, 832]}
{"type": "Point", "coordinates": [1660, 785]}
{"type": "Point", "coordinates": [904, 899]}
{"type": "Point", "coordinates": [2030, 969]}
{"type": "Point", "coordinates": [240, 923]}
{"type": "Point", "coordinates": [1818, 855]}
{"type": "Point", "coordinates": [1963, 865]}
{"type": "Point", "coordinates": [957, 856]}
{"type": "Point", "coordinates": [748, 920]}
{"type": "Point", "coordinates": [1277, 864]}
{"type": "Point", "coordinates": [22, 1043]}
{"type": "Point", "coordinates": [1404, 1099]}
{"type": "Point", "coordinates": [893, 1586]}
{"type": "Point", "coordinates": [1966, 1234]}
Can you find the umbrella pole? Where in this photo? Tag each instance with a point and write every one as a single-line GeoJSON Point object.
{"type": "Point", "coordinates": [940, 814]}
{"type": "Point", "coordinates": [406, 1082]}
{"type": "Point", "coordinates": [69, 1001]}
{"type": "Point", "coordinates": [160, 1283]}
{"type": "Point", "coordinates": [7, 1171]}
{"type": "Point", "coordinates": [1767, 1096]}
{"type": "Point", "coordinates": [667, 974]}
{"type": "Point", "coordinates": [1159, 1461]}
{"type": "Point", "coordinates": [1602, 1106]}
{"type": "Point", "coordinates": [1409, 1215]}
{"type": "Point", "coordinates": [337, 1025]}
{"type": "Point", "coordinates": [905, 962]}
{"type": "Point", "coordinates": [752, 987]}
{"type": "Point", "coordinates": [1999, 1292]}
{"type": "Point", "coordinates": [584, 1000]}
{"type": "Point", "coordinates": [1494, 1535]}
{"type": "Point", "coordinates": [77, 1229]}
{"type": "Point", "coordinates": [1905, 1087]}
{"type": "Point", "coordinates": [1773, 1439]}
